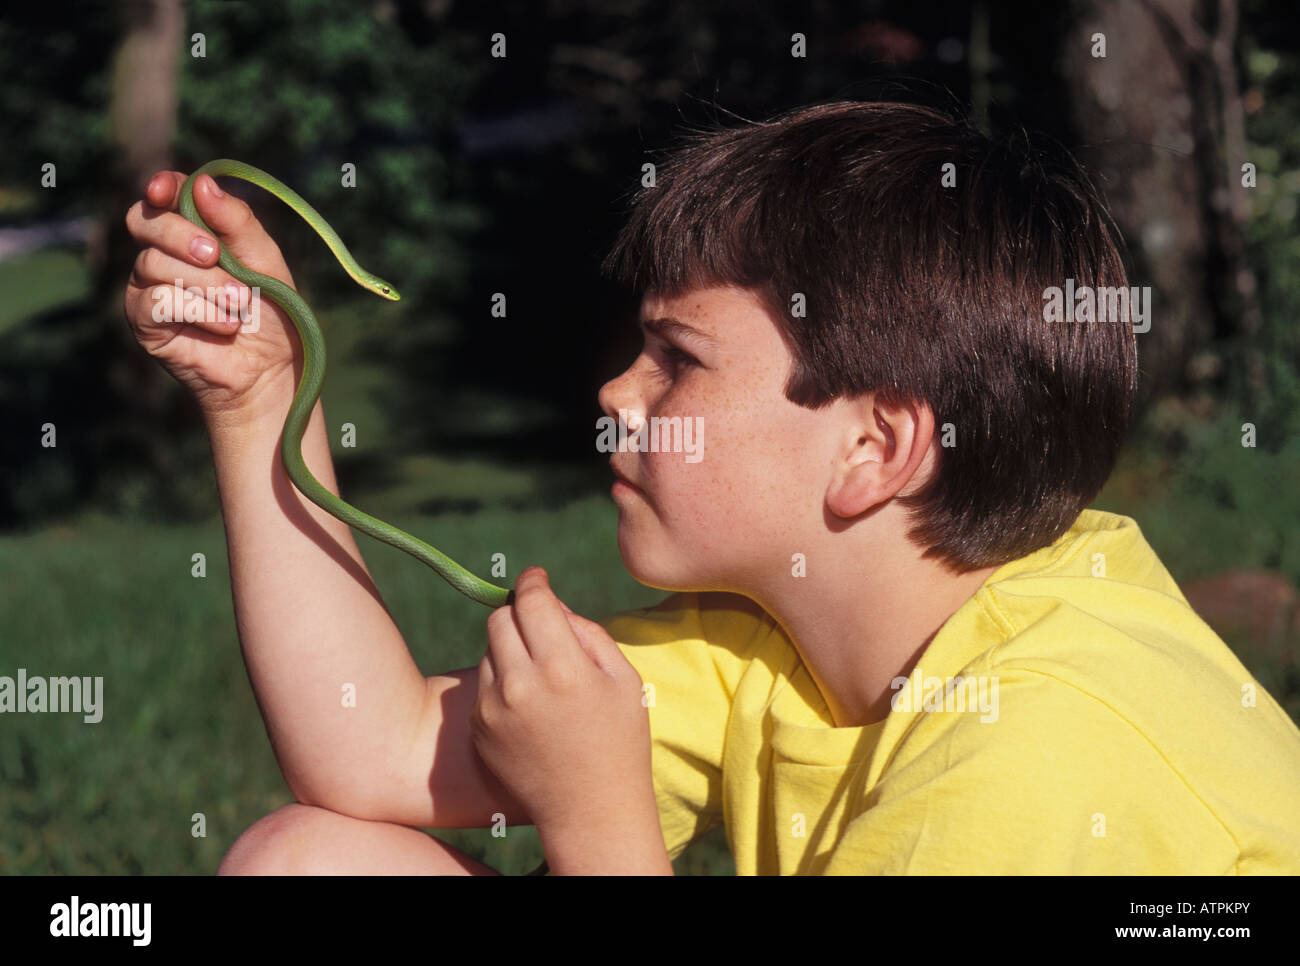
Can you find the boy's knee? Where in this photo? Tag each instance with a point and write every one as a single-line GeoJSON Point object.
{"type": "Point", "coordinates": [307, 840]}
{"type": "Point", "coordinates": [277, 844]}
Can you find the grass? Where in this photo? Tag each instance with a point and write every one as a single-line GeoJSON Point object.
{"type": "Point", "coordinates": [40, 281]}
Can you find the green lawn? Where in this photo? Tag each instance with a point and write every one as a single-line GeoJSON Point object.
{"type": "Point", "coordinates": [39, 281]}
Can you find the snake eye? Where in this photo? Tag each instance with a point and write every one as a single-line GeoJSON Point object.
{"type": "Point", "coordinates": [386, 290]}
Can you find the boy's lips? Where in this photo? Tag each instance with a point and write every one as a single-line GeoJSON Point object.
{"type": "Point", "coordinates": [620, 476]}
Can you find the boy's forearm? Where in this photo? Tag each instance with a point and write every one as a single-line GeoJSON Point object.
{"type": "Point", "coordinates": [336, 683]}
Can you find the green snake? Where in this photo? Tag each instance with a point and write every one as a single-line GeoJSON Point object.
{"type": "Point", "coordinates": [313, 375]}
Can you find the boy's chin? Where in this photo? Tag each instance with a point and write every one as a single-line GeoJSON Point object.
{"type": "Point", "coordinates": [645, 569]}
{"type": "Point", "coordinates": [663, 576]}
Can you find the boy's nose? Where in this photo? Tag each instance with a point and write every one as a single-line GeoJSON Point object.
{"type": "Point", "coordinates": [617, 394]}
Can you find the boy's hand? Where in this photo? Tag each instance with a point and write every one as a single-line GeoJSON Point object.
{"type": "Point", "coordinates": [230, 372]}
{"type": "Point", "coordinates": [559, 716]}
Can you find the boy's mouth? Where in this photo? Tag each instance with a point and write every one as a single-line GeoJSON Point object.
{"type": "Point", "coordinates": [622, 478]}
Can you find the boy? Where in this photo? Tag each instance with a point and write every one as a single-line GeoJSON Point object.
{"type": "Point", "coordinates": [898, 641]}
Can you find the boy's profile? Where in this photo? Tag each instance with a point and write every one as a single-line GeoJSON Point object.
{"type": "Point", "coordinates": [897, 639]}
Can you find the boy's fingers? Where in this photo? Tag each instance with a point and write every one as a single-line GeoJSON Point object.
{"type": "Point", "coordinates": [155, 267]}
{"type": "Point", "coordinates": [229, 217]}
{"type": "Point", "coordinates": [243, 236]}
{"type": "Point", "coordinates": [509, 655]}
{"type": "Point", "coordinates": [164, 189]}
{"type": "Point", "coordinates": [544, 626]}
{"type": "Point", "coordinates": [596, 641]}
{"type": "Point", "coordinates": [600, 647]}
{"type": "Point", "coordinates": [157, 306]}
{"type": "Point", "coordinates": [172, 235]}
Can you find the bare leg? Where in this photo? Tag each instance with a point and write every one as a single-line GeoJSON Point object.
{"type": "Point", "coordinates": [307, 840]}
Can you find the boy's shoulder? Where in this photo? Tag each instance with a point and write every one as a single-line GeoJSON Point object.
{"type": "Point", "coordinates": [1097, 609]}
{"type": "Point", "coordinates": [1095, 673]}
{"type": "Point", "coordinates": [1105, 728]}
{"type": "Point", "coordinates": [1097, 613]}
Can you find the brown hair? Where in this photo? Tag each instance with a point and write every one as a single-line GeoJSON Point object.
{"type": "Point", "coordinates": [916, 291]}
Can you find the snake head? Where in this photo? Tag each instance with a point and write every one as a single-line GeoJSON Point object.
{"type": "Point", "coordinates": [384, 290]}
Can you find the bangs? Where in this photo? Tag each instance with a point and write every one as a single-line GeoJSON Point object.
{"type": "Point", "coordinates": [700, 225]}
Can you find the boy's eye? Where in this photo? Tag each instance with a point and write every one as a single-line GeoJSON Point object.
{"type": "Point", "coordinates": [677, 356]}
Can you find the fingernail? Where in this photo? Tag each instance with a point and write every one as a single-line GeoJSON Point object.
{"type": "Point", "coordinates": [216, 189]}
{"type": "Point", "coordinates": [154, 183]}
{"type": "Point", "coordinates": [203, 248]}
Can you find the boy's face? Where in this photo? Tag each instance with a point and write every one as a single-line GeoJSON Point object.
{"type": "Point", "coordinates": [730, 516]}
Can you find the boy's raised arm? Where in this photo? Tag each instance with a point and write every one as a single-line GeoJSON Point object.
{"type": "Point", "coordinates": [312, 625]}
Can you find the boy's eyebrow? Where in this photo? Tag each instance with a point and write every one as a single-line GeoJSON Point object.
{"type": "Point", "coordinates": [668, 324]}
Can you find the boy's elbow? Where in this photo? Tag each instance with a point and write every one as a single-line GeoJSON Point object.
{"type": "Point", "coordinates": [331, 794]}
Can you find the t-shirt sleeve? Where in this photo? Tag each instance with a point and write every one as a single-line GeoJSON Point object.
{"type": "Point", "coordinates": [1058, 783]}
{"type": "Point", "coordinates": [690, 650]}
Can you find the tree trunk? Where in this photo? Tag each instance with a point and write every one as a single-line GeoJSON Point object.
{"type": "Point", "coordinates": [1161, 115]}
{"type": "Point", "coordinates": [142, 121]}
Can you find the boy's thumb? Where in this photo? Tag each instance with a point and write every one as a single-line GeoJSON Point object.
{"type": "Point", "coordinates": [228, 216]}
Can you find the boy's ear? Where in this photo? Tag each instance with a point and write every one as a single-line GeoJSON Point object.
{"type": "Point", "coordinates": [887, 451]}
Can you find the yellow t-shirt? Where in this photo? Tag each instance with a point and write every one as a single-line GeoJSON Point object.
{"type": "Point", "coordinates": [1106, 730]}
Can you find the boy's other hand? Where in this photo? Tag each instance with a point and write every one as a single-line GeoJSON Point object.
{"type": "Point", "coordinates": [559, 717]}
{"type": "Point", "coordinates": [234, 367]}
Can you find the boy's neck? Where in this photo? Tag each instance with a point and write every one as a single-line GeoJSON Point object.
{"type": "Point", "coordinates": [858, 626]}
